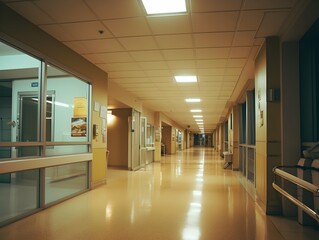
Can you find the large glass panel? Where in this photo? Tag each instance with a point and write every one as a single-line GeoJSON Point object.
{"type": "Point", "coordinates": [67, 111]}
{"type": "Point", "coordinates": [5, 152]}
{"type": "Point", "coordinates": [143, 131]}
{"type": "Point", "coordinates": [19, 99]}
{"type": "Point", "coordinates": [18, 193]}
{"type": "Point", "coordinates": [150, 135]}
{"type": "Point", "coordinates": [67, 149]}
{"type": "Point", "coordinates": [64, 181]}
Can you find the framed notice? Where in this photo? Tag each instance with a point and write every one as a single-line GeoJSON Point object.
{"type": "Point", "coordinates": [78, 127]}
{"type": "Point", "coordinates": [80, 107]}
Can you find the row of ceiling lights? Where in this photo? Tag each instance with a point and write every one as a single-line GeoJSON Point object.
{"type": "Point", "coordinates": [198, 118]}
{"type": "Point", "coordinates": [168, 7]}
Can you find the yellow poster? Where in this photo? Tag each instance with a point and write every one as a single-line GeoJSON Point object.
{"type": "Point", "coordinates": [80, 107]}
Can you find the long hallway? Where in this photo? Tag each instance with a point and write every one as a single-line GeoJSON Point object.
{"type": "Point", "coordinates": [187, 196]}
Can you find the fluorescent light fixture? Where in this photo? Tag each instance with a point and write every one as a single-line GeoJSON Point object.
{"type": "Point", "coordinates": [164, 6]}
{"type": "Point", "coordinates": [197, 116]}
{"type": "Point", "coordinates": [192, 100]}
{"type": "Point", "coordinates": [185, 79]}
{"type": "Point", "coordinates": [196, 110]}
{"type": "Point", "coordinates": [199, 120]}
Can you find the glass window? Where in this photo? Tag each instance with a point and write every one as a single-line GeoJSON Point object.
{"type": "Point", "coordinates": [64, 181]}
{"type": "Point", "coordinates": [18, 193]}
{"type": "Point", "coordinates": [19, 98]}
{"type": "Point", "coordinates": [66, 149]}
{"type": "Point", "coordinates": [67, 107]}
{"type": "Point", "coordinates": [150, 135]}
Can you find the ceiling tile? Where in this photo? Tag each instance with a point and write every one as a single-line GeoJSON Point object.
{"type": "Point", "coordinates": [158, 73]}
{"type": "Point", "coordinates": [211, 71]}
{"type": "Point", "coordinates": [215, 63]}
{"type": "Point", "coordinates": [250, 20]}
{"type": "Point", "coordinates": [127, 74]}
{"type": "Point", "coordinates": [243, 39]}
{"type": "Point", "coordinates": [63, 10]}
{"type": "Point", "coordinates": [170, 24]}
{"type": "Point", "coordinates": [205, 79]}
{"type": "Point", "coordinates": [112, 9]}
{"type": "Point", "coordinates": [184, 71]}
{"type": "Point", "coordinates": [230, 78]}
{"type": "Point", "coordinates": [153, 55]}
{"type": "Point", "coordinates": [213, 39]}
{"type": "Point", "coordinates": [271, 24]}
{"type": "Point", "coordinates": [233, 71]}
{"type": "Point", "coordinates": [138, 43]}
{"type": "Point", "coordinates": [210, 85]}
{"type": "Point", "coordinates": [174, 41]}
{"type": "Point", "coordinates": [186, 64]}
{"type": "Point", "coordinates": [109, 57]}
{"type": "Point", "coordinates": [161, 80]}
{"type": "Point", "coordinates": [153, 65]}
{"type": "Point", "coordinates": [178, 54]}
{"type": "Point", "coordinates": [258, 41]}
{"type": "Point", "coordinates": [212, 53]}
{"type": "Point", "coordinates": [128, 27]}
{"type": "Point", "coordinates": [237, 62]}
{"type": "Point", "coordinates": [111, 67]}
{"type": "Point", "coordinates": [32, 12]}
{"type": "Point", "coordinates": [132, 80]}
{"type": "Point", "coordinates": [239, 52]}
{"type": "Point", "coordinates": [215, 5]}
{"type": "Point", "coordinates": [268, 4]}
{"type": "Point", "coordinates": [215, 22]}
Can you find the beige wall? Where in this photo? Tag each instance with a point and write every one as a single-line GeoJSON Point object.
{"type": "Point", "coordinates": [268, 138]}
{"type": "Point", "coordinates": [99, 143]}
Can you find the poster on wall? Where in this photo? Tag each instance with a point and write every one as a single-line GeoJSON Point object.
{"type": "Point", "coordinates": [80, 107]}
{"type": "Point", "coordinates": [78, 127]}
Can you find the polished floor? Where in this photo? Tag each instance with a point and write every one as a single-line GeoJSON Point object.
{"type": "Point", "coordinates": [187, 196]}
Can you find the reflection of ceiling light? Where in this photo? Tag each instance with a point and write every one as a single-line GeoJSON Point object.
{"type": "Point", "coordinates": [185, 79]}
{"type": "Point", "coordinates": [192, 100]}
{"type": "Point", "coordinates": [164, 6]}
{"type": "Point", "coordinates": [196, 110]}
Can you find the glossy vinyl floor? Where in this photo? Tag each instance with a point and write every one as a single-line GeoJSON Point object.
{"type": "Point", "coordinates": [187, 196]}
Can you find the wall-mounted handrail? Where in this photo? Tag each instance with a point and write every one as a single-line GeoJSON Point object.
{"type": "Point", "coordinates": [300, 182]}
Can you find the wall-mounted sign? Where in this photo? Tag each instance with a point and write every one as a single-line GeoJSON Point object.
{"type": "Point", "coordinates": [34, 84]}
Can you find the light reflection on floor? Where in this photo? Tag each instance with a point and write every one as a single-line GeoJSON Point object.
{"type": "Point", "coordinates": [188, 196]}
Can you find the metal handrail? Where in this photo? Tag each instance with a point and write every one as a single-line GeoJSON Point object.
{"type": "Point", "coordinates": [300, 182]}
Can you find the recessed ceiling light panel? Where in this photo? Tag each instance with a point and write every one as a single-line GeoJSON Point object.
{"type": "Point", "coordinates": [185, 79]}
{"type": "Point", "coordinates": [164, 6]}
{"type": "Point", "coordinates": [196, 110]}
{"type": "Point", "coordinates": [192, 100]}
